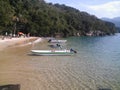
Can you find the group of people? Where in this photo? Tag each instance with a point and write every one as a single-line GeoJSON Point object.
{"type": "Point", "coordinates": [9, 36]}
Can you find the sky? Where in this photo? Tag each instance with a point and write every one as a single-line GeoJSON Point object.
{"type": "Point", "coordinates": [99, 8]}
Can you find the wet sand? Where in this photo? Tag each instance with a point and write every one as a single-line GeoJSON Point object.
{"type": "Point", "coordinates": [13, 61]}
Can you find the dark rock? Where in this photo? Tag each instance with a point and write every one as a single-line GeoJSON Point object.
{"type": "Point", "coordinates": [10, 87]}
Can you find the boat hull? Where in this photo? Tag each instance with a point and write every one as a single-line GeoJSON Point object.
{"type": "Point", "coordinates": [58, 41]}
{"type": "Point", "coordinates": [52, 52]}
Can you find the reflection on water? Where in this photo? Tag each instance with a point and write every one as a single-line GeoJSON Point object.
{"type": "Point", "coordinates": [95, 67]}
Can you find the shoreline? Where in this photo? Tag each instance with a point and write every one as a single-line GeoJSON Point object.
{"type": "Point", "coordinates": [6, 43]}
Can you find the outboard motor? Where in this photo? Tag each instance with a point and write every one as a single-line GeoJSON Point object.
{"type": "Point", "coordinates": [58, 45]}
{"type": "Point", "coordinates": [49, 40]}
{"type": "Point", "coordinates": [71, 50]}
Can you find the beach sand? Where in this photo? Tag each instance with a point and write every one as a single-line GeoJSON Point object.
{"type": "Point", "coordinates": [14, 61]}
{"type": "Point", "coordinates": [15, 42]}
{"type": "Point", "coordinates": [19, 68]}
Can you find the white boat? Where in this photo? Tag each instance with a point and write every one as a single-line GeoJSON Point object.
{"type": "Point", "coordinates": [53, 52]}
{"type": "Point", "coordinates": [57, 41]}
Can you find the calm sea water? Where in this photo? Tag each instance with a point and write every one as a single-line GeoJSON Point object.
{"type": "Point", "coordinates": [99, 59]}
{"type": "Point", "coordinates": [96, 66]}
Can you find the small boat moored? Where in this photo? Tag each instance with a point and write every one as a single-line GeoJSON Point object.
{"type": "Point", "coordinates": [53, 52]}
{"type": "Point", "coordinates": [57, 41]}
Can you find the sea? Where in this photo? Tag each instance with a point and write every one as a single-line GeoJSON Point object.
{"type": "Point", "coordinates": [95, 66]}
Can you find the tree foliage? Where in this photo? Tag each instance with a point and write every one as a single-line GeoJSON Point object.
{"type": "Point", "coordinates": [45, 19]}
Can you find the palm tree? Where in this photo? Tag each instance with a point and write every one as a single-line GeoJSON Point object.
{"type": "Point", "coordinates": [15, 20]}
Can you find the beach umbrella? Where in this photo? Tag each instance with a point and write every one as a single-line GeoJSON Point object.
{"type": "Point", "coordinates": [20, 33]}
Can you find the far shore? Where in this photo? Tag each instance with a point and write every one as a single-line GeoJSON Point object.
{"type": "Point", "coordinates": [7, 42]}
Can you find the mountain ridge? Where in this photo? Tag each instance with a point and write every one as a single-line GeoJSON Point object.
{"type": "Point", "coordinates": [115, 20]}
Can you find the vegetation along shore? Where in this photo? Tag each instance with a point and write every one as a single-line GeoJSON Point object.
{"type": "Point", "coordinates": [46, 19]}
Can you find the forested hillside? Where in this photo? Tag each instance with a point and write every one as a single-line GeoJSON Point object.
{"type": "Point", "coordinates": [45, 19]}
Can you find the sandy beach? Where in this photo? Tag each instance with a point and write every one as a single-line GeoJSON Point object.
{"type": "Point", "coordinates": [14, 58]}
{"type": "Point", "coordinates": [15, 42]}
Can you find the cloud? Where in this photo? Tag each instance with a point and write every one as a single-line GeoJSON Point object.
{"type": "Point", "coordinates": [110, 9]}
